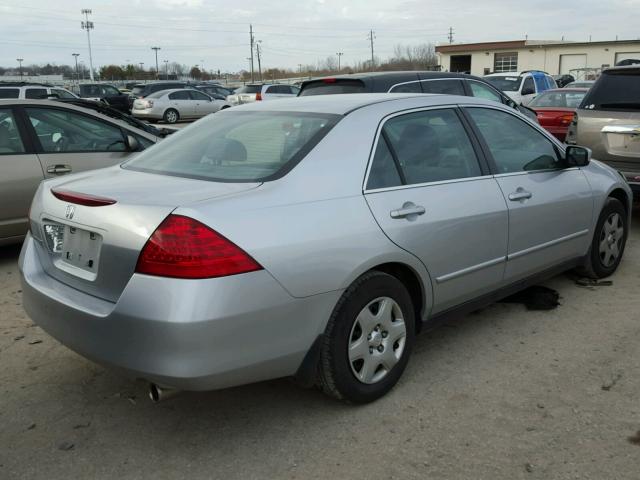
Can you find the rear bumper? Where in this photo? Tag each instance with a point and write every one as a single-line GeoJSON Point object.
{"type": "Point", "coordinates": [146, 113]}
{"type": "Point", "coordinates": [185, 334]}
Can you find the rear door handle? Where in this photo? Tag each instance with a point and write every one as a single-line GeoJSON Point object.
{"type": "Point", "coordinates": [520, 194]}
{"type": "Point", "coordinates": [59, 169]}
{"type": "Point", "coordinates": [407, 210]}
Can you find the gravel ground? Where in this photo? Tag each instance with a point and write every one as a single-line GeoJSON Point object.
{"type": "Point", "coordinates": [504, 393]}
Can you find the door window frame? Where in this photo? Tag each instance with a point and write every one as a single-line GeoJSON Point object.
{"type": "Point", "coordinates": [19, 116]}
{"type": "Point", "coordinates": [475, 145]}
{"type": "Point", "coordinates": [559, 148]}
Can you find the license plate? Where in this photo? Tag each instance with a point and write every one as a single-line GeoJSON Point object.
{"type": "Point", "coordinates": [76, 250]}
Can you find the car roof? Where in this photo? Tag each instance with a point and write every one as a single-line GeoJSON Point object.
{"type": "Point", "coordinates": [623, 68]}
{"type": "Point", "coordinates": [342, 104]}
{"type": "Point", "coordinates": [565, 89]}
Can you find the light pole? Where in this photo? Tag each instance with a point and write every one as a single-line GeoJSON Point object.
{"type": "Point", "coordinates": [339, 54]}
{"type": "Point", "coordinates": [204, 72]}
{"type": "Point", "coordinates": [157, 71]}
{"type": "Point", "coordinates": [76, 55]}
{"type": "Point", "coordinates": [88, 26]}
{"type": "Point", "coordinates": [82, 68]}
{"type": "Point", "coordinates": [259, 59]}
{"type": "Point", "coordinates": [166, 69]}
{"type": "Point", "coordinates": [20, 60]}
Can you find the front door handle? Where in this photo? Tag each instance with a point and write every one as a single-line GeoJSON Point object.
{"type": "Point", "coordinates": [59, 169]}
{"type": "Point", "coordinates": [520, 194]}
{"type": "Point", "coordinates": [407, 210]}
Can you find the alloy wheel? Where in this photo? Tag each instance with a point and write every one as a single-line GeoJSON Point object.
{"type": "Point", "coordinates": [611, 237]}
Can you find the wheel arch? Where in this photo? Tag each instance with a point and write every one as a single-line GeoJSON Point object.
{"type": "Point", "coordinates": [623, 197]}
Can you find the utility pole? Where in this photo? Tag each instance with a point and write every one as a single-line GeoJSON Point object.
{"type": "Point", "coordinates": [20, 60]}
{"type": "Point", "coordinates": [259, 60]}
{"type": "Point", "coordinates": [141, 68]}
{"type": "Point", "coordinates": [450, 36]}
{"type": "Point", "coordinates": [166, 69]}
{"type": "Point", "coordinates": [339, 54]}
{"type": "Point", "coordinates": [300, 68]}
{"type": "Point", "coordinates": [88, 26]}
{"type": "Point", "coordinates": [251, 41]}
{"type": "Point", "coordinates": [371, 37]}
{"type": "Point", "coordinates": [76, 55]}
{"type": "Point", "coordinates": [157, 71]}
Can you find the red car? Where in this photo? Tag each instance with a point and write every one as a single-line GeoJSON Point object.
{"type": "Point", "coordinates": [555, 109]}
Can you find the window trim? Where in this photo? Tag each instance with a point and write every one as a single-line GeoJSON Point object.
{"type": "Point", "coordinates": [559, 147]}
{"type": "Point", "coordinates": [27, 144]}
{"type": "Point", "coordinates": [36, 140]}
{"type": "Point", "coordinates": [502, 96]}
{"type": "Point", "coordinates": [485, 168]}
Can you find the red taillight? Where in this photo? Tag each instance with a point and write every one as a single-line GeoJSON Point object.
{"type": "Point", "coordinates": [182, 247]}
{"type": "Point", "coordinates": [329, 80]}
{"type": "Point", "coordinates": [258, 96]}
{"type": "Point", "coordinates": [566, 119]}
{"type": "Point", "coordinates": [81, 198]}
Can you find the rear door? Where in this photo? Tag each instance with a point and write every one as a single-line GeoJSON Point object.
{"type": "Point", "coordinates": [20, 175]}
{"type": "Point", "coordinates": [433, 196]}
{"type": "Point", "coordinates": [550, 206]}
{"type": "Point", "coordinates": [448, 86]}
{"type": "Point", "coordinates": [70, 141]}
{"type": "Point", "coordinates": [183, 103]}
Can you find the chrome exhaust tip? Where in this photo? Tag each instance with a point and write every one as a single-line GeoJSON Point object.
{"type": "Point", "coordinates": [159, 394]}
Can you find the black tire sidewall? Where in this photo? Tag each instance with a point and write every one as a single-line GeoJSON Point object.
{"type": "Point", "coordinates": [612, 205]}
{"type": "Point", "coordinates": [376, 286]}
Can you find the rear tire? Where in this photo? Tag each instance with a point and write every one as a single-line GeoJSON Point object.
{"type": "Point", "coordinates": [368, 340]}
{"type": "Point", "coordinates": [609, 240]}
{"type": "Point", "coordinates": [171, 116]}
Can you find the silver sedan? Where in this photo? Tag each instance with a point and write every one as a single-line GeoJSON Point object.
{"type": "Point", "coordinates": [174, 105]}
{"type": "Point", "coordinates": [313, 238]}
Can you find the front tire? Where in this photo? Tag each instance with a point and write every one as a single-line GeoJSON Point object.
{"type": "Point", "coordinates": [608, 242]}
{"type": "Point", "coordinates": [368, 339]}
{"type": "Point", "coordinates": [171, 116]}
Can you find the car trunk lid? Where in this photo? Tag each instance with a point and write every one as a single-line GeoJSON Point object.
{"type": "Point", "coordinates": [95, 248]}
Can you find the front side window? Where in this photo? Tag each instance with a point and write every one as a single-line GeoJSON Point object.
{"type": "Point", "coordinates": [35, 93]}
{"type": "Point", "coordinates": [505, 62]}
{"type": "Point", "coordinates": [109, 90]}
{"type": "Point", "coordinates": [198, 96]}
{"type": "Point", "coordinates": [66, 131]}
{"type": "Point", "coordinates": [528, 87]}
{"type": "Point", "coordinates": [237, 146]}
{"type": "Point", "coordinates": [411, 87]}
{"type": "Point", "coordinates": [480, 90]}
{"type": "Point", "coordinates": [514, 145]}
{"type": "Point", "coordinates": [62, 93]}
{"type": "Point", "coordinates": [445, 87]}
{"type": "Point", "coordinates": [428, 146]}
{"type": "Point", "coordinates": [10, 141]}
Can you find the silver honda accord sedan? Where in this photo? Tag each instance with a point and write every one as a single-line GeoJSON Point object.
{"type": "Point", "coordinates": [313, 238]}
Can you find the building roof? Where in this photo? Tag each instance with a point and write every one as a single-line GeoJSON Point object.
{"type": "Point", "coordinates": [516, 44]}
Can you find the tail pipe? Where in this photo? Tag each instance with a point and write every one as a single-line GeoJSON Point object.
{"type": "Point", "coordinates": [159, 394]}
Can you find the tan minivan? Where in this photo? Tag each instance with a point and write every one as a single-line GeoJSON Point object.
{"type": "Point", "coordinates": [608, 122]}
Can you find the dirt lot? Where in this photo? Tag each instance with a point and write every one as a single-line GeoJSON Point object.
{"type": "Point", "coordinates": [505, 393]}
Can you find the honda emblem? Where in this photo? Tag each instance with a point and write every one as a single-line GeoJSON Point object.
{"type": "Point", "coordinates": [70, 211]}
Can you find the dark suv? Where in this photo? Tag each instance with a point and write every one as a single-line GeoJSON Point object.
{"type": "Point", "coordinates": [411, 82]}
{"type": "Point", "coordinates": [105, 93]}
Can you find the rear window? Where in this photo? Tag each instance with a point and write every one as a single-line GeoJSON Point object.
{"type": "Point", "coordinates": [249, 89]}
{"type": "Point", "coordinates": [558, 98]}
{"type": "Point", "coordinates": [505, 83]}
{"type": "Point", "coordinates": [9, 92]}
{"type": "Point", "coordinates": [137, 90]}
{"type": "Point", "coordinates": [331, 87]}
{"type": "Point", "coordinates": [614, 91]}
{"type": "Point", "coordinates": [237, 146]}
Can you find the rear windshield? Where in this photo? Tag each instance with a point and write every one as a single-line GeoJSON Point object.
{"type": "Point", "coordinates": [558, 98]}
{"type": "Point", "coordinates": [614, 91]}
{"type": "Point", "coordinates": [329, 87]}
{"type": "Point", "coordinates": [249, 89]}
{"type": "Point", "coordinates": [9, 92]}
{"type": "Point", "coordinates": [237, 146]}
{"type": "Point", "coordinates": [506, 83]}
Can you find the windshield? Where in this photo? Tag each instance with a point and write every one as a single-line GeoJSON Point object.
{"type": "Point", "coordinates": [557, 98]}
{"type": "Point", "coordinates": [237, 146]}
{"type": "Point", "coordinates": [329, 87]}
{"type": "Point", "coordinates": [507, 83]}
{"type": "Point", "coordinates": [249, 89]}
{"type": "Point", "coordinates": [614, 91]}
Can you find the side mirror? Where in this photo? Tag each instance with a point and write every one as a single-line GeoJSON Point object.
{"type": "Point", "coordinates": [577, 156]}
{"type": "Point", "coordinates": [132, 143]}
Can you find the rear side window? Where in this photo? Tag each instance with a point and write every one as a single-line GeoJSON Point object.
{"type": "Point", "coordinates": [411, 87]}
{"type": "Point", "coordinates": [331, 87]}
{"type": "Point", "coordinates": [35, 93]}
{"type": "Point", "coordinates": [614, 91]}
{"type": "Point", "coordinates": [10, 141]}
{"type": "Point", "coordinates": [9, 92]}
{"type": "Point", "coordinates": [238, 146]}
{"type": "Point", "coordinates": [446, 87]}
{"type": "Point", "coordinates": [427, 146]}
{"type": "Point", "coordinates": [181, 95]}
{"type": "Point", "coordinates": [481, 90]}
{"type": "Point", "coordinates": [137, 90]}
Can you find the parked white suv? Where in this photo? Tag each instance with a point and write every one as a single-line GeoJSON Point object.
{"type": "Point", "coordinates": [522, 87]}
{"type": "Point", "coordinates": [256, 92]}
{"type": "Point", "coordinates": [22, 91]}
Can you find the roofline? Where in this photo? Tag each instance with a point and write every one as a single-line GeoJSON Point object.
{"type": "Point", "coordinates": [515, 44]}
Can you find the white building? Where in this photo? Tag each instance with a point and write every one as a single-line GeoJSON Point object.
{"type": "Point", "coordinates": [582, 60]}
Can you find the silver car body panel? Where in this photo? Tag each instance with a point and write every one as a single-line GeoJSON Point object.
{"type": "Point", "coordinates": [313, 231]}
{"type": "Point", "coordinates": [187, 109]}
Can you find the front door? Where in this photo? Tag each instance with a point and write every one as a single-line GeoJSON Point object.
{"type": "Point", "coordinates": [550, 206]}
{"type": "Point", "coordinates": [432, 197]}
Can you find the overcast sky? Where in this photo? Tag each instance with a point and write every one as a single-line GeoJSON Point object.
{"type": "Point", "coordinates": [215, 32]}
